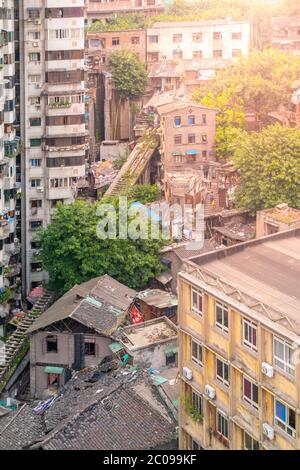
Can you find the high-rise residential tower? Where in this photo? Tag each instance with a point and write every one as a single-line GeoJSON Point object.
{"type": "Point", "coordinates": [53, 130]}
{"type": "Point", "coordinates": [9, 150]}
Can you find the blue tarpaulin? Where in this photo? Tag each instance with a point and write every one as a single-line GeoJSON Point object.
{"type": "Point", "coordinates": [192, 152]}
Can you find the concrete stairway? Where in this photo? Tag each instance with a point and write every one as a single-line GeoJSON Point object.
{"type": "Point", "coordinates": [135, 164]}
{"type": "Point", "coordinates": [16, 341]}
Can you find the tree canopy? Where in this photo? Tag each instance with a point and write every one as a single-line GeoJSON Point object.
{"type": "Point", "coordinates": [269, 162]}
{"type": "Point", "coordinates": [118, 23]}
{"type": "Point", "coordinates": [129, 74]}
{"type": "Point", "coordinates": [72, 253]}
{"type": "Point", "coordinates": [144, 193]}
{"type": "Point", "coordinates": [229, 120]}
{"type": "Point", "coordinates": [260, 82]}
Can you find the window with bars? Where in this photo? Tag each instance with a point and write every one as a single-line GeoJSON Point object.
{"type": "Point", "coordinates": [283, 356]}
{"type": "Point", "coordinates": [196, 301]}
{"type": "Point", "coordinates": [285, 418]}
{"type": "Point", "coordinates": [221, 316]}
{"type": "Point", "coordinates": [222, 372]}
{"type": "Point", "coordinates": [222, 425]}
{"type": "Point", "coordinates": [250, 392]}
{"type": "Point", "coordinates": [249, 442]}
{"type": "Point", "coordinates": [250, 334]}
{"type": "Point", "coordinates": [196, 352]}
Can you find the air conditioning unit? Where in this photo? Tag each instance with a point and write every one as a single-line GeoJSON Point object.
{"type": "Point", "coordinates": [210, 392]}
{"type": "Point", "coordinates": [268, 431]}
{"type": "Point", "coordinates": [267, 369]}
{"type": "Point", "coordinates": [37, 21]}
{"type": "Point", "coordinates": [18, 212]}
{"type": "Point", "coordinates": [40, 190]}
{"type": "Point", "coordinates": [38, 85]}
{"type": "Point", "coordinates": [35, 44]}
{"type": "Point", "coordinates": [187, 373]}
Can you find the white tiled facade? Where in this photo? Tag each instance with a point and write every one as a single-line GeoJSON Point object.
{"type": "Point", "coordinates": [9, 149]}
{"type": "Point", "coordinates": [208, 39]}
{"type": "Point", "coordinates": [53, 126]}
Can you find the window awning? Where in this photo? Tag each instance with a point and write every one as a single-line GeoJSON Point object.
{"type": "Point", "coordinates": [192, 152]}
{"type": "Point", "coordinates": [53, 370]}
{"type": "Point", "coordinates": [171, 351]}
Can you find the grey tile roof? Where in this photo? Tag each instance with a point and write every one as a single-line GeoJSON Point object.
{"type": "Point", "coordinates": [124, 421]}
{"type": "Point", "coordinates": [111, 298]}
{"type": "Point", "coordinates": [101, 408]}
{"type": "Point", "coordinates": [20, 428]}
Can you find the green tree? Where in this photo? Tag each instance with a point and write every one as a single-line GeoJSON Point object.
{"type": "Point", "coordinates": [144, 193]}
{"type": "Point", "coordinates": [122, 22]}
{"type": "Point", "coordinates": [269, 162]}
{"type": "Point", "coordinates": [129, 74]}
{"type": "Point", "coordinates": [72, 253]}
{"type": "Point", "coordinates": [261, 82]}
{"type": "Point", "coordinates": [230, 119]}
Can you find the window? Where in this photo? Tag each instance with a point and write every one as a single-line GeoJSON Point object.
{"type": "Point", "coordinates": [250, 443]}
{"type": "Point", "coordinates": [196, 352]}
{"type": "Point", "coordinates": [236, 52]}
{"type": "Point", "coordinates": [250, 334]}
{"type": "Point", "coordinates": [177, 139]}
{"type": "Point", "coordinates": [191, 138]}
{"type": "Point", "coordinates": [197, 402]}
{"type": "Point", "coordinates": [217, 36]}
{"type": "Point", "coordinates": [204, 120]}
{"type": "Point", "coordinates": [197, 54]}
{"type": "Point", "coordinates": [153, 56]}
{"type": "Point", "coordinates": [196, 301]}
{"type": "Point", "coordinates": [34, 224]}
{"type": "Point", "coordinates": [34, 78]}
{"type": "Point", "coordinates": [35, 162]}
{"type": "Point", "coordinates": [285, 418]}
{"type": "Point", "coordinates": [34, 57]}
{"type": "Point", "coordinates": [283, 356]}
{"type": "Point", "coordinates": [135, 40]}
{"type": "Point", "coordinates": [51, 344]}
{"type": "Point", "coordinates": [222, 372]}
{"type": "Point", "coordinates": [35, 100]}
{"type": "Point", "coordinates": [191, 120]}
{"type": "Point", "coordinates": [221, 316]}
{"type": "Point", "coordinates": [204, 153]}
{"type": "Point", "coordinates": [115, 41]}
{"type": "Point", "coordinates": [218, 53]}
{"type": "Point", "coordinates": [177, 37]}
{"type": "Point", "coordinates": [35, 183]}
{"type": "Point", "coordinates": [33, 13]}
{"type": "Point", "coordinates": [90, 348]}
{"type": "Point", "coordinates": [222, 425]}
{"type": "Point", "coordinates": [204, 139]}
{"type": "Point", "coordinates": [34, 35]}
{"type": "Point", "coordinates": [35, 142]}
{"type": "Point", "coordinates": [197, 37]}
{"type": "Point", "coordinates": [177, 121]}
{"type": "Point", "coordinates": [236, 36]}
{"type": "Point", "coordinates": [250, 393]}
{"type": "Point", "coordinates": [177, 54]}
{"type": "Point", "coordinates": [178, 158]}
{"type": "Point", "coordinates": [153, 39]}
{"type": "Point", "coordinates": [35, 122]}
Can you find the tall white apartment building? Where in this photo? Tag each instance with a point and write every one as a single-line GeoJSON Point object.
{"type": "Point", "coordinates": [9, 149]}
{"type": "Point", "coordinates": [194, 40]}
{"type": "Point", "coordinates": [53, 129]}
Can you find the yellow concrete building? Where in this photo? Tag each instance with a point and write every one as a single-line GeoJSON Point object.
{"type": "Point", "coordinates": [239, 337]}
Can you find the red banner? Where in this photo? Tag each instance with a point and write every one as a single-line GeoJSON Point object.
{"type": "Point", "coordinates": [136, 315]}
